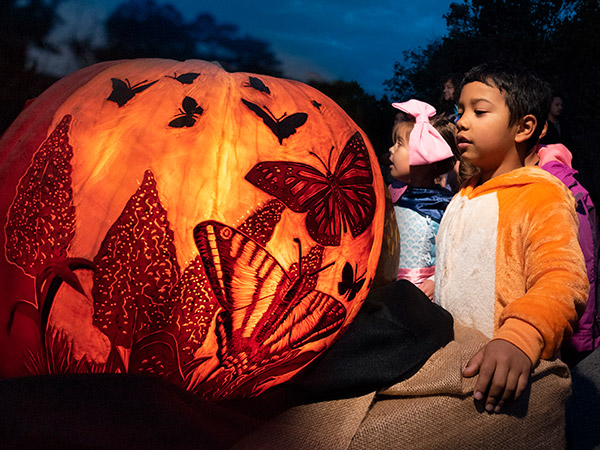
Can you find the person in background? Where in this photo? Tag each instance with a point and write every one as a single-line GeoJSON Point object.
{"type": "Point", "coordinates": [557, 132]}
{"type": "Point", "coordinates": [557, 160]}
{"type": "Point", "coordinates": [447, 105]}
{"type": "Point", "coordinates": [508, 260]}
{"type": "Point", "coordinates": [449, 96]}
{"type": "Point", "coordinates": [422, 151]}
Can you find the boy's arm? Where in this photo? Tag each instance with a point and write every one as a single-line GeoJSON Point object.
{"type": "Point", "coordinates": [557, 286]}
{"type": "Point", "coordinates": [535, 324]}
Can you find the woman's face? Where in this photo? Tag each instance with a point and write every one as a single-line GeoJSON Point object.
{"type": "Point", "coordinates": [448, 90]}
{"type": "Point", "coordinates": [556, 107]}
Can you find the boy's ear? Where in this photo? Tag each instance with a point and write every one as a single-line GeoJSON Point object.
{"type": "Point", "coordinates": [527, 126]}
{"type": "Point", "coordinates": [544, 130]}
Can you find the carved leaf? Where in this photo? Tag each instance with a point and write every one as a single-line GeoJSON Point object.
{"type": "Point", "coordinates": [197, 306]}
{"type": "Point", "coordinates": [260, 226]}
{"type": "Point", "coordinates": [41, 219]}
{"type": "Point", "coordinates": [135, 270]}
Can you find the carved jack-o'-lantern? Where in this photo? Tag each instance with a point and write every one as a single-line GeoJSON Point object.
{"type": "Point", "coordinates": [217, 229]}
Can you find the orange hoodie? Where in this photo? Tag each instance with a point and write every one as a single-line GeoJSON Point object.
{"type": "Point", "coordinates": [509, 263]}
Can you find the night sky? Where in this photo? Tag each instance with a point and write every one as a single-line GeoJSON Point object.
{"type": "Point", "coordinates": [324, 39]}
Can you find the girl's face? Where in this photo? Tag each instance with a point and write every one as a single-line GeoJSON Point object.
{"type": "Point", "coordinates": [448, 90]}
{"type": "Point", "coordinates": [400, 167]}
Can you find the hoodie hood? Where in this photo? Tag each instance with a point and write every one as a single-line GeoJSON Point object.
{"type": "Point", "coordinates": [515, 178]}
{"type": "Point", "coordinates": [561, 171]}
{"type": "Point", "coordinates": [555, 152]}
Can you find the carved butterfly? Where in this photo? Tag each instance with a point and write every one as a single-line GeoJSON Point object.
{"type": "Point", "coordinates": [185, 78]}
{"type": "Point", "coordinates": [270, 313]}
{"type": "Point", "coordinates": [334, 202]}
{"type": "Point", "coordinates": [123, 91]}
{"type": "Point", "coordinates": [282, 127]}
{"type": "Point", "coordinates": [187, 115]}
{"type": "Point", "coordinates": [248, 280]}
{"type": "Point", "coordinates": [317, 105]}
{"type": "Point", "coordinates": [350, 286]}
{"type": "Point", "coordinates": [258, 84]}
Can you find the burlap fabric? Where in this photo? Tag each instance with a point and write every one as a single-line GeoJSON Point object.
{"type": "Point", "coordinates": [433, 409]}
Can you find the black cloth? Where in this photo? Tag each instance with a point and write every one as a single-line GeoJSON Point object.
{"type": "Point", "coordinates": [394, 333]}
{"type": "Point", "coordinates": [112, 412]}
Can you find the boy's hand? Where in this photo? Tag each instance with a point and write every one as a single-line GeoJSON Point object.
{"type": "Point", "coordinates": [503, 373]}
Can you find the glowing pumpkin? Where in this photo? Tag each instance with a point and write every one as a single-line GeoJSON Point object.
{"type": "Point", "coordinates": [217, 229]}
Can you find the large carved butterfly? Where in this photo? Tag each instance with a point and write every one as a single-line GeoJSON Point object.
{"type": "Point", "coordinates": [123, 91]}
{"type": "Point", "coordinates": [335, 202]}
{"type": "Point", "coordinates": [282, 127]}
{"type": "Point", "coordinates": [270, 313]}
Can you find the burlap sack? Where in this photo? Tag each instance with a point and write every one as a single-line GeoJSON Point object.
{"type": "Point", "coordinates": [433, 409]}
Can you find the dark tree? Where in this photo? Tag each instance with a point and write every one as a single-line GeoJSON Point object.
{"type": "Point", "coordinates": [145, 29]}
{"type": "Point", "coordinates": [21, 24]}
{"type": "Point", "coordinates": [374, 117]}
{"type": "Point", "coordinates": [221, 42]}
{"type": "Point", "coordinates": [556, 39]}
{"type": "Point", "coordinates": [478, 31]}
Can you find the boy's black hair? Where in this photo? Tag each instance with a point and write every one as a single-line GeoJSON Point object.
{"type": "Point", "coordinates": [524, 92]}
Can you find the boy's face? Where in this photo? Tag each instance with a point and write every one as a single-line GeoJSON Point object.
{"type": "Point", "coordinates": [485, 137]}
{"type": "Point", "coordinates": [399, 167]}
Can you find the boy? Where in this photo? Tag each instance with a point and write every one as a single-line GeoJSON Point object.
{"type": "Point", "coordinates": [508, 259]}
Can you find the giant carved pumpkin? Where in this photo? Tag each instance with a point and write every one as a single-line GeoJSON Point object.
{"type": "Point", "coordinates": [217, 229]}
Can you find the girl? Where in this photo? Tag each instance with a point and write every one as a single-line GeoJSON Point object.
{"type": "Point", "coordinates": [422, 151]}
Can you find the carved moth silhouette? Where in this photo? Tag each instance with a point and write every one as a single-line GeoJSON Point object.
{"type": "Point", "coordinates": [282, 127]}
{"type": "Point", "coordinates": [184, 78]}
{"type": "Point", "coordinates": [258, 84]}
{"type": "Point", "coordinates": [188, 115]}
{"type": "Point", "coordinates": [123, 91]}
{"type": "Point", "coordinates": [351, 283]}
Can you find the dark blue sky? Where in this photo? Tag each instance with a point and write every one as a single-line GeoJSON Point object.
{"type": "Point", "coordinates": [329, 39]}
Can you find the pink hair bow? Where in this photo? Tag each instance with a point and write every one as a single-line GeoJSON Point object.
{"type": "Point", "coordinates": [426, 144]}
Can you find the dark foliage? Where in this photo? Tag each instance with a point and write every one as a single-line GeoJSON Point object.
{"type": "Point", "coordinates": [374, 117]}
{"type": "Point", "coordinates": [146, 29]}
{"type": "Point", "coordinates": [136, 29]}
{"type": "Point", "coordinates": [21, 24]}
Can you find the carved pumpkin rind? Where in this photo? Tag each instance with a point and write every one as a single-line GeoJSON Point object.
{"type": "Point", "coordinates": [203, 272]}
